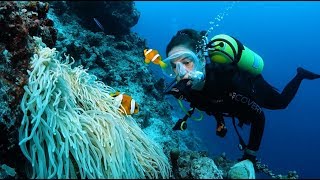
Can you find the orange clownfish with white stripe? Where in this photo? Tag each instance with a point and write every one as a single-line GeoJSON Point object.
{"type": "Point", "coordinates": [152, 55]}
{"type": "Point", "coordinates": [130, 106]}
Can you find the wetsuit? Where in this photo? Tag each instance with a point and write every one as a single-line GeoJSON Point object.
{"type": "Point", "coordinates": [228, 90]}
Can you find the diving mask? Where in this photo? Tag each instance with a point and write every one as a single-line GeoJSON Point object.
{"type": "Point", "coordinates": [185, 65]}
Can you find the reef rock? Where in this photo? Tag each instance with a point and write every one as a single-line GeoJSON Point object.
{"type": "Point", "coordinates": [19, 21]}
{"type": "Point", "coordinates": [116, 17]}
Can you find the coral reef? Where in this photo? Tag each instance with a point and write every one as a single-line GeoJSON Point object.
{"type": "Point", "coordinates": [18, 22]}
{"type": "Point", "coordinates": [223, 163]}
{"type": "Point", "coordinates": [188, 164]}
{"type": "Point", "coordinates": [263, 168]}
{"type": "Point", "coordinates": [205, 168]}
{"type": "Point", "coordinates": [71, 125]}
{"type": "Point", "coordinates": [115, 59]}
{"type": "Point", "coordinates": [117, 17]}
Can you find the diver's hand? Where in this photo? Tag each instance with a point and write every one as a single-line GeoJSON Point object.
{"type": "Point", "coordinates": [221, 130]}
{"type": "Point", "coordinates": [181, 89]}
{"type": "Point", "coordinates": [180, 125]}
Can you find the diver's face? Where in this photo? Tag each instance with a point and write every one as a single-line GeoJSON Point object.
{"type": "Point", "coordinates": [186, 62]}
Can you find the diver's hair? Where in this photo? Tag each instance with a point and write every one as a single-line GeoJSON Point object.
{"type": "Point", "coordinates": [189, 38]}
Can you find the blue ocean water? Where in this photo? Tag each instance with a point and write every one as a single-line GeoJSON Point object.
{"type": "Point", "coordinates": [286, 35]}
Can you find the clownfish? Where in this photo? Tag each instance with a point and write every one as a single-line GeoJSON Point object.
{"type": "Point", "coordinates": [152, 55]}
{"type": "Point", "coordinates": [129, 105]}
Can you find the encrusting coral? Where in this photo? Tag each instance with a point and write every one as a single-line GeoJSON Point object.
{"type": "Point", "coordinates": [72, 129]}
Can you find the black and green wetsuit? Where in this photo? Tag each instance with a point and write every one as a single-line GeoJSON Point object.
{"type": "Point", "coordinates": [228, 90]}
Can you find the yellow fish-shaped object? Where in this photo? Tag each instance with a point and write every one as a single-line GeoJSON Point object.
{"type": "Point", "coordinates": [152, 55]}
{"type": "Point", "coordinates": [130, 106]}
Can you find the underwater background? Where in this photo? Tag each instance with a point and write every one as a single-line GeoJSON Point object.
{"type": "Point", "coordinates": [107, 39]}
{"type": "Point", "coordinates": [286, 35]}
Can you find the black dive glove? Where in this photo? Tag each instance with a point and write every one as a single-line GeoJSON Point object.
{"type": "Point", "coordinates": [182, 89]}
{"type": "Point", "coordinates": [221, 130]}
{"type": "Point", "coordinates": [180, 125]}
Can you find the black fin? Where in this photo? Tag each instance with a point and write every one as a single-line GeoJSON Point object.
{"type": "Point", "coordinates": [305, 74]}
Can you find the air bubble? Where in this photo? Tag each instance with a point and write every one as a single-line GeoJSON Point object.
{"type": "Point", "coordinates": [215, 22]}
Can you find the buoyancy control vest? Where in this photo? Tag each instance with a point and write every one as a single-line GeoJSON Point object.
{"type": "Point", "coordinates": [221, 80]}
{"type": "Point", "coordinates": [213, 96]}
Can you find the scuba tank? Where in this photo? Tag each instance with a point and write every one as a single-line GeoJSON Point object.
{"type": "Point", "coordinates": [226, 49]}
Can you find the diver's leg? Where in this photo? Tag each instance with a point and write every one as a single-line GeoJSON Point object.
{"type": "Point", "coordinates": [256, 132]}
{"type": "Point", "coordinates": [266, 95]}
{"type": "Point", "coordinates": [305, 74]}
{"type": "Point", "coordinates": [292, 87]}
{"type": "Point", "coordinates": [272, 99]}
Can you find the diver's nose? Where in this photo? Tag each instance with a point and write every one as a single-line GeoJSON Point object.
{"type": "Point", "coordinates": [181, 70]}
{"type": "Point", "coordinates": [186, 76]}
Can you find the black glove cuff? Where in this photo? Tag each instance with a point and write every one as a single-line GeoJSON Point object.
{"type": "Point", "coordinates": [180, 125]}
{"type": "Point", "coordinates": [181, 89]}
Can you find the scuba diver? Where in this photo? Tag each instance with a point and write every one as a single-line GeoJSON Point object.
{"type": "Point", "coordinates": [222, 77]}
